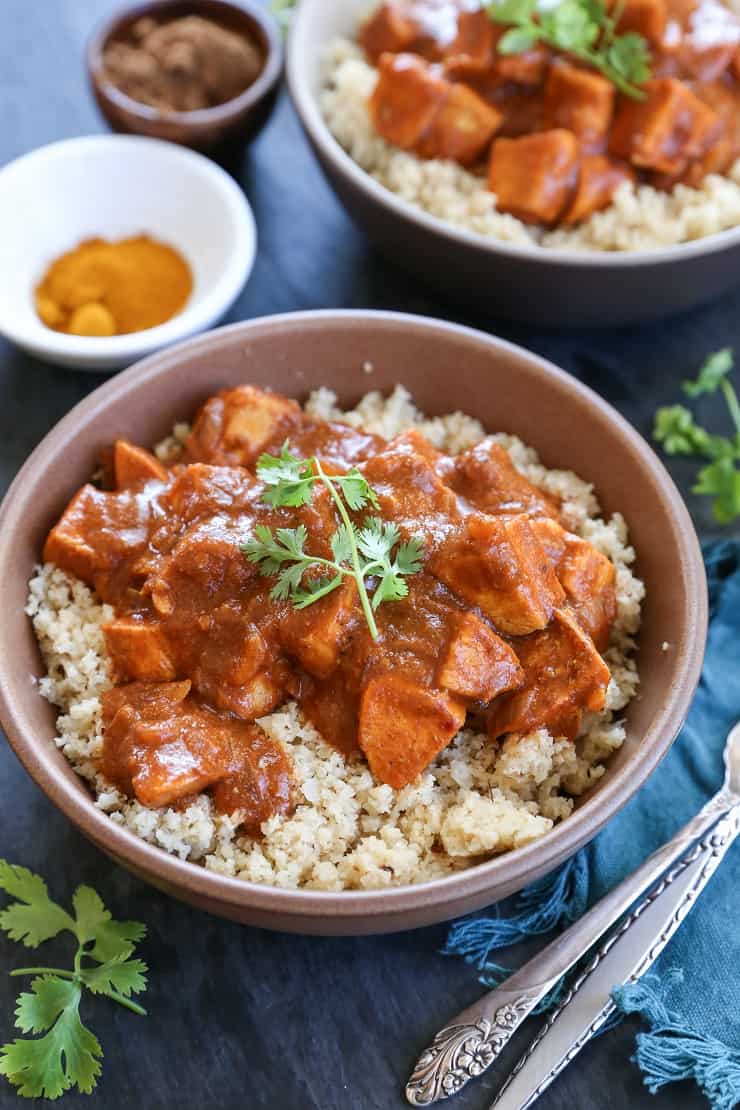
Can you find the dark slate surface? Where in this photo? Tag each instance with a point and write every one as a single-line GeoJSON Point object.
{"type": "Point", "coordinates": [240, 1017]}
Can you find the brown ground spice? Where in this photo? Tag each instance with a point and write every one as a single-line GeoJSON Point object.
{"type": "Point", "coordinates": [183, 65]}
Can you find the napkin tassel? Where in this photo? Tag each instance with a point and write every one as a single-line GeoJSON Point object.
{"type": "Point", "coordinates": [558, 899]}
{"type": "Point", "coordinates": [672, 1050]}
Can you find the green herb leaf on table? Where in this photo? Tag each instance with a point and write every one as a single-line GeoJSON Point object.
{"type": "Point", "coordinates": [364, 554]}
{"type": "Point", "coordinates": [67, 1054]}
{"type": "Point", "coordinates": [712, 374]}
{"type": "Point", "coordinates": [582, 28]}
{"type": "Point", "coordinates": [34, 918]}
{"type": "Point", "coordinates": [721, 480]}
{"type": "Point", "coordinates": [115, 938]}
{"type": "Point", "coordinates": [676, 428]}
{"type": "Point", "coordinates": [119, 974]}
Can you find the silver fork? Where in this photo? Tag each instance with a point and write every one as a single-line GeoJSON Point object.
{"type": "Point", "coordinates": [470, 1043]}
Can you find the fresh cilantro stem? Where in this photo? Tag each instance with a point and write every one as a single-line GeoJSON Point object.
{"type": "Point", "coordinates": [127, 1003]}
{"type": "Point", "coordinates": [62, 1053]}
{"type": "Point", "coordinates": [679, 433]}
{"type": "Point", "coordinates": [733, 405]}
{"type": "Point", "coordinates": [43, 971]}
{"type": "Point", "coordinates": [359, 574]}
{"type": "Point", "coordinates": [79, 977]}
{"type": "Point", "coordinates": [582, 28]}
{"type": "Point", "coordinates": [289, 483]}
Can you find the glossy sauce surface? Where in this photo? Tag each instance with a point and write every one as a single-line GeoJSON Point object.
{"type": "Point", "coordinates": [200, 651]}
{"type": "Point", "coordinates": [555, 136]}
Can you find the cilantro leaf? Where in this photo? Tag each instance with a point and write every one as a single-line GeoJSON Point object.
{"type": "Point", "coordinates": [721, 480]}
{"type": "Point", "coordinates": [341, 544]}
{"type": "Point", "coordinates": [376, 539]}
{"type": "Point", "coordinates": [357, 492]}
{"type": "Point", "coordinates": [284, 556]}
{"type": "Point", "coordinates": [36, 1012]}
{"type": "Point", "coordinates": [117, 974]}
{"type": "Point", "coordinates": [517, 40]}
{"type": "Point", "coordinates": [584, 28]}
{"type": "Point", "coordinates": [90, 913]}
{"type": "Point", "coordinates": [272, 551]}
{"type": "Point", "coordinates": [712, 374]}
{"type": "Point", "coordinates": [289, 480]}
{"type": "Point", "coordinates": [114, 938]}
{"type": "Point", "coordinates": [288, 582]}
{"type": "Point", "coordinates": [34, 918]}
{"type": "Point", "coordinates": [512, 11]}
{"type": "Point", "coordinates": [293, 540]}
{"type": "Point", "coordinates": [569, 25]}
{"type": "Point", "coordinates": [629, 56]}
{"type": "Point", "coordinates": [679, 433]}
{"type": "Point", "coordinates": [390, 587]}
{"type": "Point", "coordinates": [316, 589]}
{"type": "Point", "coordinates": [67, 1056]}
{"type": "Point", "coordinates": [597, 12]}
{"type": "Point", "coordinates": [409, 556]}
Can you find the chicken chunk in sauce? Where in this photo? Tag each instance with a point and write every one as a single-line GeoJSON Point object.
{"type": "Point", "coordinates": [555, 137]}
{"type": "Point", "coordinates": [506, 617]}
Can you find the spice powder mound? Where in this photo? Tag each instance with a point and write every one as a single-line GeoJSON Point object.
{"type": "Point", "coordinates": [182, 65]}
{"type": "Point", "coordinates": [104, 288]}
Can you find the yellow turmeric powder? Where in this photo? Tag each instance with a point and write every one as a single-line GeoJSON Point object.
{"type": "Point", "coordinates": [104, 288]}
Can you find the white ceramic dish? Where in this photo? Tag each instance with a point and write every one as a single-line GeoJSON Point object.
{"type": "Point", "coordinates": [114, 186]}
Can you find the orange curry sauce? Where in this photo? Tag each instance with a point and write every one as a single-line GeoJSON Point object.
{"type": "Point", "coordinates": [505, 621]}
{"type": "Point", "coordinates": [556, 136]}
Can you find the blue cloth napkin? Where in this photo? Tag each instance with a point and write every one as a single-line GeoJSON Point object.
{"type": "Point", "coordinates": [690, 1004]}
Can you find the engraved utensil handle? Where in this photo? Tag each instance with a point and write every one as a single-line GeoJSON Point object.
{"type": "Point", "coordinates": [471, 1042]}
{"type": "Point", "coordinates": [625, 956]}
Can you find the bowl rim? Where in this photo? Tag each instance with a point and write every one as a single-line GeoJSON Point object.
{"type": "Point", "coordinates": [39, 758]}
{"type": "Point", "coordinates": [269, 75]}
{"type": "Point", "coordinates": [317, 129]}
{"type": "Point", "coordinates": [194, 316]}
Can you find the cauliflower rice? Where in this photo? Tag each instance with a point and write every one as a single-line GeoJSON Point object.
{"type": "Point", "coordinates": [348, 832]}
{"type": "Point", "coordinates": [639, 217]}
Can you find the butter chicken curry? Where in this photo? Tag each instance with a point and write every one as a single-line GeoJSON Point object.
{"type": "Point", "coordinates": [505, 616]}
{"type": "Point", "coordinates": [556, 136]}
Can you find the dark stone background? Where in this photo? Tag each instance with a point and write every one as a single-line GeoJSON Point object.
{"type": "Point", "coordinates": [241, 1017]}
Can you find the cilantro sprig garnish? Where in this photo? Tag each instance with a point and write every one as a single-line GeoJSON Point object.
{"type": "Point", "coordinates": [676, 428]}
{"type": "Point", "coordinates": [64, 1053]}
{"type": "Point", "coordinates": [372, 554]}
{"type": "Point", "coordinates": [583, 28]}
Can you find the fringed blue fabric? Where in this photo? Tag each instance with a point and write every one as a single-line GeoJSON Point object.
{"type": "Point", "coordinates": [558, 899]}
{"type": "Point", "coordinates": [673, 1051]}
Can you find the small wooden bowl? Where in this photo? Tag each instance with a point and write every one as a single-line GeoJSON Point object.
{"type": "Point", "coordinates": [222, 128]}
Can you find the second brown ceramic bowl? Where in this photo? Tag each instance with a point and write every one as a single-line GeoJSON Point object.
{"type": "Point", "coordinates": [560, 288]}
{"type": "Point", "coordinates": [445, 367]}
{"type": "Point", "coordinates": [212, 130]}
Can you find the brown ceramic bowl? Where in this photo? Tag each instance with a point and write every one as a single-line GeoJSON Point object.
{"type": "Point", "coordinates": [445, 367]}
{"type": "Point", "coordinates": [560, 288]}
{"type": "Point", "coordinates": [218, 129]}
